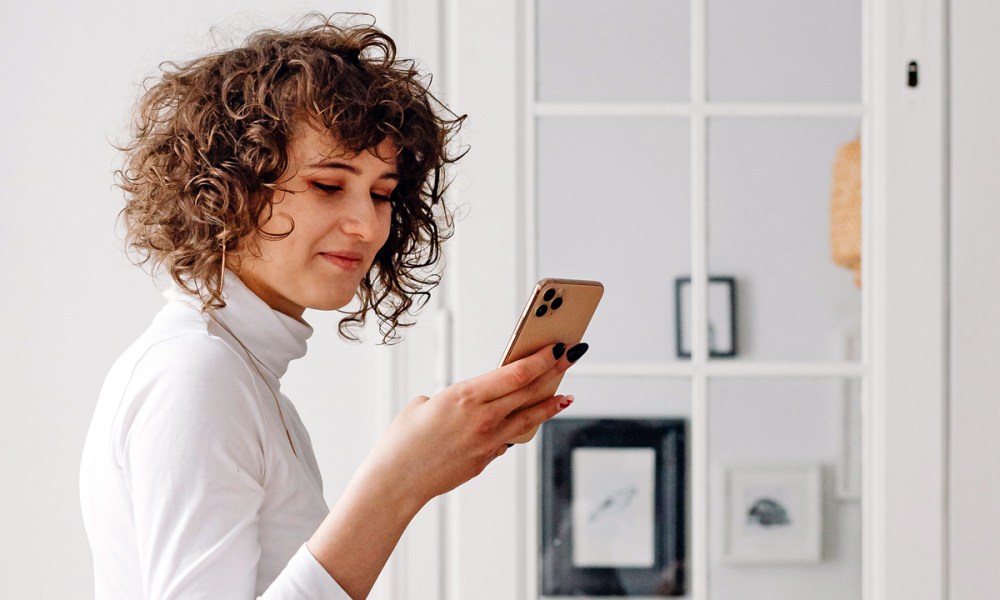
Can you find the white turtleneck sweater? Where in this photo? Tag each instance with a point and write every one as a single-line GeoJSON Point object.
{"type": "Point", "coordinates": [188, 483]}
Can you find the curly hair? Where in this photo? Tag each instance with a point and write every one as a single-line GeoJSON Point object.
{"type": "Point", "coordinates": [210, 142]}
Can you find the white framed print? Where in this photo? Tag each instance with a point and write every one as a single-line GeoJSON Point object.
{"type": "Point", "coordinates": [613, 502]}
{"type": "Point", "coordinates": [773, 513]}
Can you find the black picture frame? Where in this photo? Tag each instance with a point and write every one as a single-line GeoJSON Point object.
{"type": "Point", "coordinates": [558, 575]}
{"type": "Point", "coordinates": [681, 295]}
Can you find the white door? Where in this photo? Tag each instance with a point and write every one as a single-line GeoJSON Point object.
{"type": "Point", "coordinates": [645, 142]}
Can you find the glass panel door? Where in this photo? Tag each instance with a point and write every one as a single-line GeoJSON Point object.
{"type": "Point", "coordinates": [701, 159]}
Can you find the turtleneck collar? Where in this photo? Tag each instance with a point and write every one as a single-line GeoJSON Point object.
{"type": "Point", "coordinates": [273, 337]}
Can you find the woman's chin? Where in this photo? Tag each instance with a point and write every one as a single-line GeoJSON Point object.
{"type": "Point", "coordinates": [330, 302]}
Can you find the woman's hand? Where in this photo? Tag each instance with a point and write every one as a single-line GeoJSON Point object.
{"type": "Point", "coordinates": [435, 444]}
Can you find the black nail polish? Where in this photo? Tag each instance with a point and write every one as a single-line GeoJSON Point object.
{"type": "Point", "coordinates": [558, 350]}
{"type": "Point", "coordinates": [574, 353]}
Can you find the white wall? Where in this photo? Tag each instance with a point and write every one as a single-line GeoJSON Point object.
{"type": "Point", "coordinates": [71, 302]}
{"type": "Point", "coordinates": [975, 300]}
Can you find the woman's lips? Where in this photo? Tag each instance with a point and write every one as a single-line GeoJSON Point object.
{"type": "Point", "coordinates": [348, 264]}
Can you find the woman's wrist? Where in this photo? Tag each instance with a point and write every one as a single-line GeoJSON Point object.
{"type": "Point", "coordinates": [388, 486]}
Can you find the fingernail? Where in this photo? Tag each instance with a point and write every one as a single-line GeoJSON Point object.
{"type": "Point", "coordinates": [574, 353]}
{"type": "Point", "coordinates": [558, 350]}
{"type": "Point", "coordinates": [566, 401]}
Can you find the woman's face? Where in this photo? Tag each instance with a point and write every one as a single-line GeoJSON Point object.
{"type": "Point", "coordinates": [340, 206]}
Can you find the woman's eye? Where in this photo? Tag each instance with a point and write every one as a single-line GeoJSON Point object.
{"type": "Point", "coordinates": [327, 188]}
{"type": "Point", "coordinates": [330, 189]}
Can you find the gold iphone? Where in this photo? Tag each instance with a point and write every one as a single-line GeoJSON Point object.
{"type": "Point", "coordinates": [558, 310]}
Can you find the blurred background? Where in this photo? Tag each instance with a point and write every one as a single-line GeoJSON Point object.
{"type": "Point", "coordinates": [790, 203]}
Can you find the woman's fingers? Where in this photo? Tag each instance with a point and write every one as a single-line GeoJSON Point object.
{"type": "Point", "coordinates": [541, 388]}
{"type": "Point", "coordinates": [538, 390]}
{"type": "Point", "coordinates": [522, 421]}
{"type": "Point", "coordinates": [508, 378]}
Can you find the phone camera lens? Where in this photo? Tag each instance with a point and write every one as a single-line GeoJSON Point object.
{"type": "Point", "coordinates": [549, 294]}
{"type": "Point", "coordinates": [556, 303]}
{"type": "Point", "coordinates": [541, 311]}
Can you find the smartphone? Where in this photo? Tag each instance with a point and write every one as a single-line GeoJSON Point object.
{"type": "Point", "coordinates": [558, 310]}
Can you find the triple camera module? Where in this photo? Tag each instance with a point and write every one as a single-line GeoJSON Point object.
{"type": "Point", "coordinates": [551, 302]}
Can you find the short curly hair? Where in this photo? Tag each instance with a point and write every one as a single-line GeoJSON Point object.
{"type": "Point", "coordinates": [209, 142]}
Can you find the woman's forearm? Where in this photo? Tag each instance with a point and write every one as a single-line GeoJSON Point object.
{"type": "Point", "coordinates": [355, 540]}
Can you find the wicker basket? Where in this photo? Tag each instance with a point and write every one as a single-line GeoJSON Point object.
{"type": "Point", "coordinates": [845, 209]}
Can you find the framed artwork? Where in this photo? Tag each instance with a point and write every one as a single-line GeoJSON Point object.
{"type": "Point", "coordinates": [773, 514]}
{"type": "Point", "coordinates": [612, 507]}
{"type": "Point", "coordinates": [721, 316]}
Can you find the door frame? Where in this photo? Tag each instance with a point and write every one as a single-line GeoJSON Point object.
{"type": "Point", "coordinates": [905, 517]}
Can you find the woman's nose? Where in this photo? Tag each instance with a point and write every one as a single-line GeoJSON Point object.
{"type": "Point", "coordinates": [361, 218]}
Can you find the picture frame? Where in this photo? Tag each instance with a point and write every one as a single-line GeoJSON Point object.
{"type": "Point", "coordinates": [773, 513]}
{"type": "Point", "coordinates": [612, 507]}
{"type": "Point", "coordinates": [721, 317]}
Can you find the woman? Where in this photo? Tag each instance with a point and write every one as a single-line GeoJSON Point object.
{"type": "Point", "coordinates": [299, 171]}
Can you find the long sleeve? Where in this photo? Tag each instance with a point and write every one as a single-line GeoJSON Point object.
{"type": "Point", "coordinates": [193, 452]}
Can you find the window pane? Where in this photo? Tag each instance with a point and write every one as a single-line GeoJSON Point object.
{"type": "Point", "coordinates": [784, 520]}
{"type": "Point", "coordinates": [613, 50]}
{"type": "Point", "coordinates": [784, 51]}
{"type": "Point", "coordinates": [613, 205]}
{"type": "Point", "coordinates": [770, 229]}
